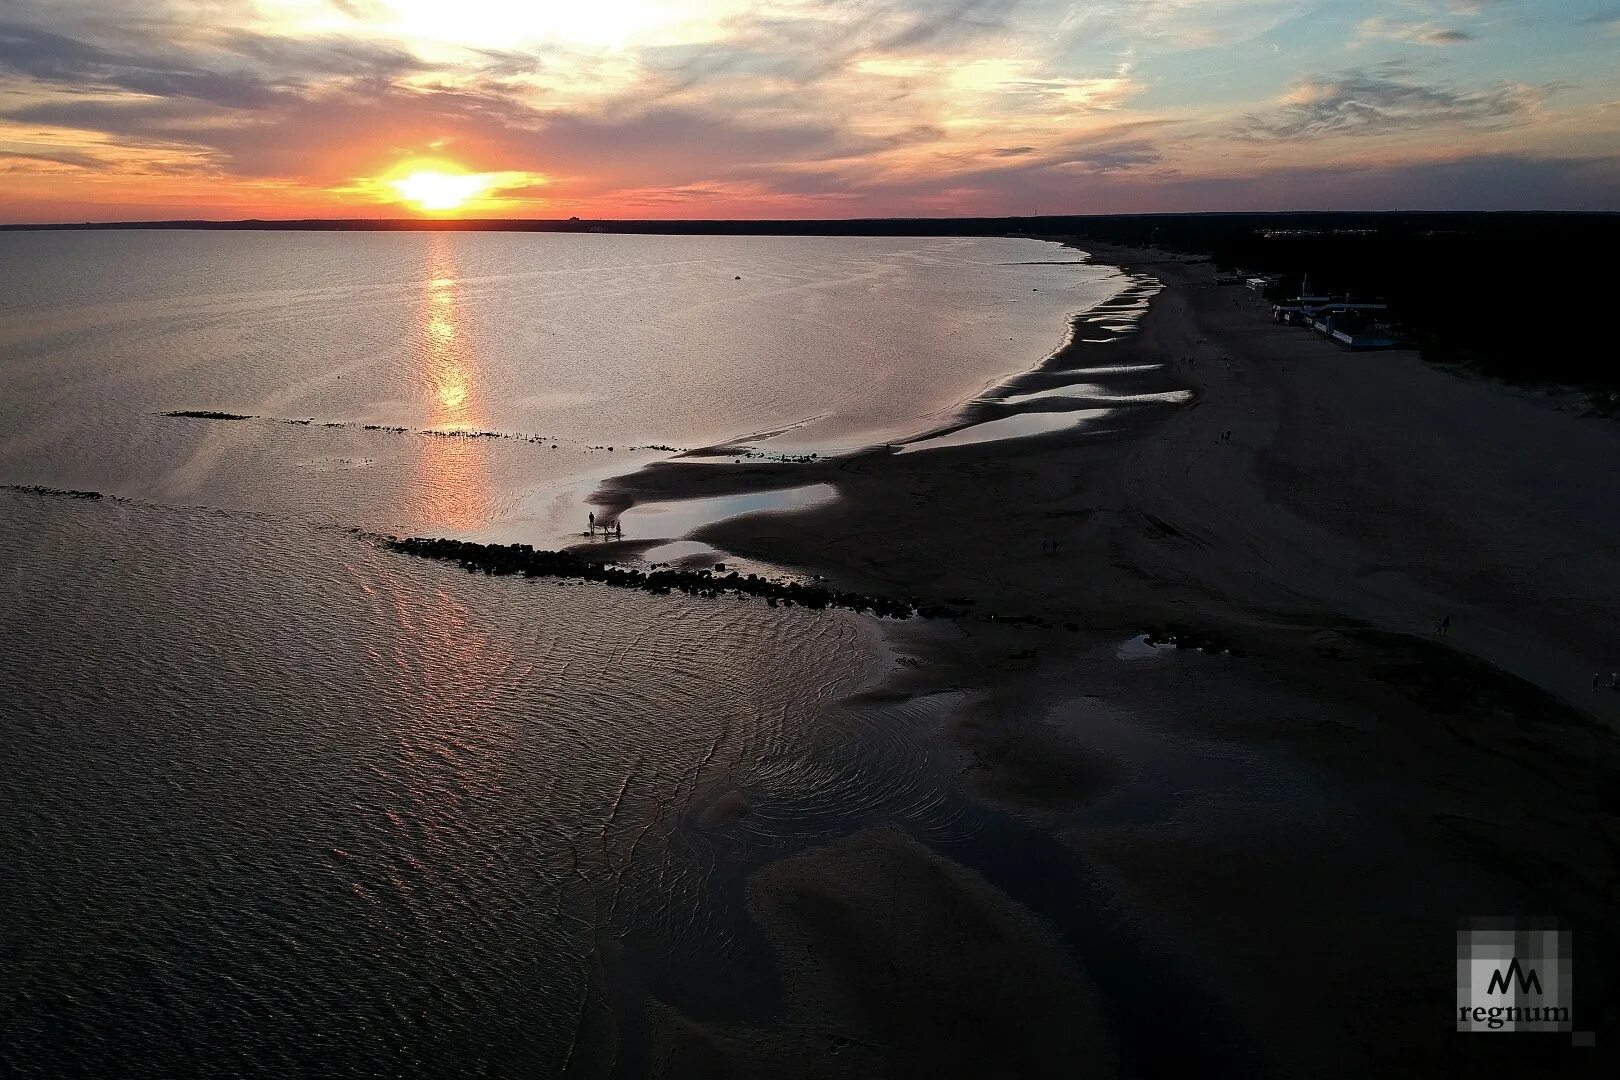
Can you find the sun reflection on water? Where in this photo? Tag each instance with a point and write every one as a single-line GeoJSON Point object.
{"type": "Point", "coordinates": [455, 471]}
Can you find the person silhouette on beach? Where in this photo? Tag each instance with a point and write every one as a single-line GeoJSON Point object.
{"type": "Point", "coordinates": [1442, 625]}
{"type": "Point", "coordinates": [590, 520]}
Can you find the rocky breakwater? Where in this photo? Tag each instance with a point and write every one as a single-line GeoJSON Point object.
{"type": "Point", "coordinates": [524, 560]}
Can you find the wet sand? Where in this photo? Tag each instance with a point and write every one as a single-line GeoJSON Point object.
{"type": "Point", "coordinates": [1289, 823]}
{"type": "Point", "coordinates": [896, 961]}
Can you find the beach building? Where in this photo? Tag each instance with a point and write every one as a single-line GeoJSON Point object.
{"type": "Point", "coordinates": [1352, 325]}
{"type": "Point", "coordinates": [1314, 306]}
{"type": "Point", "coordinates": [1299, 310]}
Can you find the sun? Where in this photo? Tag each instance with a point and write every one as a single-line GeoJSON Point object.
{"type": "Point", "coordinates": [438, 192]}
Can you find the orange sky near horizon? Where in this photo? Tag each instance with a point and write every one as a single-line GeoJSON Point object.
{"type": "Point", "coordinates": [230, 109]}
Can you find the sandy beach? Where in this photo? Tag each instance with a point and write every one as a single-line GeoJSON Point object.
{"type": "Point", "coordinates": [1285, 826]}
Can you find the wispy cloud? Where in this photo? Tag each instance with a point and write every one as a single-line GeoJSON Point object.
{"type": "Point", "coordinates": [1606, 22]}
{"type": "Point", "coordinates": [1414, 33]}
{"type": "Point", "coordinates": [1383, 99]}
{"type": "Point", "coordinates": [771, 106]}
{"type": "Point", "coordinates": [68, 159]}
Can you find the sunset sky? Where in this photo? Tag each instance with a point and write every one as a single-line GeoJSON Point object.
{"type": "Point", "coordinates": [802, 108]}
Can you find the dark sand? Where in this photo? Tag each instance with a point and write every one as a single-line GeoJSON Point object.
{"type": "Point", "coordinates": [896, 961]}
{"type": "Point", "coordinates": [1290, 831]}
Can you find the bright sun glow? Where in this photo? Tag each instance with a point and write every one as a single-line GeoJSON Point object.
{"type": "Point", "coordinates": [440, 191]}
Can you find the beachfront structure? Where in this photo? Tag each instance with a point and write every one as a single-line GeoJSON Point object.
{"type": "Point", "coordinates": [1352, 333]}
{"type": "Point", "coordinates": [1299, 310]}
{"type": "Point", "coordinates": [1312, 307]}
{"type": "Point", "coordinates": [1349, 323]}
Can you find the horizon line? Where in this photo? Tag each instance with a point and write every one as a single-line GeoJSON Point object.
{"type": "Point", "coordinates": [518, 223]}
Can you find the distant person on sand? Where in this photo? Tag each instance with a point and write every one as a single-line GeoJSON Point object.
{"type": "Point", "coordinates": [590, 519]}
{"type": "Point", "coordinates": [1441, 625]}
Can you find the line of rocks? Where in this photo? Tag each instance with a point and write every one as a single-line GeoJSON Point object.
{"type": "Point", "coordinates": [57, 493]}
{"type": "Point", "coordinates": [430, 433]}
{"type": "Point", "coordinates": [526, 561]}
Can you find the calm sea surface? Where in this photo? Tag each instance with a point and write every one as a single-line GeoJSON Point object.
{"type": "Point", "coordinates": [274, 801]}
{"type": "Point", "coordinates": [584, 341]}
